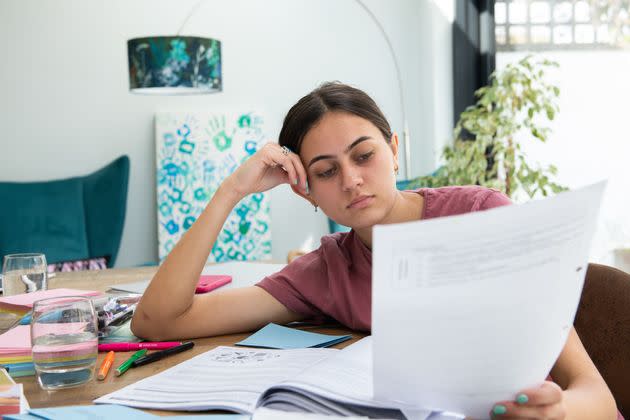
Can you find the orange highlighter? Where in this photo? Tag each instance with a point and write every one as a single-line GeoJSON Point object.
{"type": "Point", "coordinates": [107, 363]}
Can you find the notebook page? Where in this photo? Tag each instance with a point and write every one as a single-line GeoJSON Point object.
{"type": "Point", "coordinates": [224, 378]}
{"type": "Point", "coordinates": [345, 377]}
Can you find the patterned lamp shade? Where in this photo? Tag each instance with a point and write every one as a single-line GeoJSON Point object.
{"type": "Point", "coordinates": [173, 65]}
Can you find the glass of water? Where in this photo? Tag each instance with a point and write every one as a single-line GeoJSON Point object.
{"type": "Point", "coordinates": [64, 335]}
{"type": "Point", "coordinates": [24, 273]}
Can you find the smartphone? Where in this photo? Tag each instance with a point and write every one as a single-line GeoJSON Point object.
{"type": "Point", "coordinates": [211, 282]}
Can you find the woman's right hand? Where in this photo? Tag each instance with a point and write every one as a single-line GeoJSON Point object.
{"type": "Point", "coordinates": [268, 167]}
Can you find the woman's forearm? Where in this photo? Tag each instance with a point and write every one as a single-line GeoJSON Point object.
{"type": "Point", "coordinates": [589, 399]}
{"type": "Point", "coordinates": [171, 291]}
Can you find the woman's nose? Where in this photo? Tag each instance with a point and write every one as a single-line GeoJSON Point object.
{"type": "Point", "coordinates": [351, 178]}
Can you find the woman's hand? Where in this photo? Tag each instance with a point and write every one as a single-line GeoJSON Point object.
{"type": "Point", "coordinates": [543, 402]}
{"type": "Point", "coordinates": [270, 166]}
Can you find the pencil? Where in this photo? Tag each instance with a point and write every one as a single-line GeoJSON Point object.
{"type": "Point", "coordinates": [107, 363]}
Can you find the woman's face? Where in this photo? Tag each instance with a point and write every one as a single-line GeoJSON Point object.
{"type": "Point", "coordinates": [350, 169]}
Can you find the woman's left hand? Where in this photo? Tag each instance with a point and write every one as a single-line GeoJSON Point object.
{"type": "Point", "coordinates": [543, 402]}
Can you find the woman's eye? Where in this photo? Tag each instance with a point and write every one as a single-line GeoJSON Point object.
{"type": "Point", "coordinates": [365, 156]}
{"type": "Point", "coordinates": [326, 174]}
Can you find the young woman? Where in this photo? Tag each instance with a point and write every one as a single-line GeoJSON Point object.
{"type": "Point", "coordinates": [337, 151]}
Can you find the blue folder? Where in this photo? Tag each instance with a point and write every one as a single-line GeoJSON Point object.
{"type": "Point", "coordinates": [274, 336]}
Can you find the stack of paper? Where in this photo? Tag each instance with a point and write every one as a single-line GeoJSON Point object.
{"type": "Point", "coordinates": [15, 351]}
{"type": "Point", "coordinates": [15, 344]}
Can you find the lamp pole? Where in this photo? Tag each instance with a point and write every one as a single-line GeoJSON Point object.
{"type": "Point", "coordinates": [406, 141]}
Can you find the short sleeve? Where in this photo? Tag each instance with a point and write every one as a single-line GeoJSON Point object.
{"type": "Point", "coordinates": [495, 198]}
{"type": "Point", "coordinates": [296, 284]}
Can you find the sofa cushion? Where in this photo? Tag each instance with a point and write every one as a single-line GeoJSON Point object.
{"type": "Point", "coordinates": [43, 217]}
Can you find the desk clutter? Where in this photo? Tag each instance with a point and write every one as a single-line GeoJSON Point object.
{"type": "Point", "coordinates": [113, 312]}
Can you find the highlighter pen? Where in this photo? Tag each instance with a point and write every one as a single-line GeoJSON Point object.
{"type": "Point", "coordinates": [127, 363]}
{"type": "Point", "coordinates": [107, 363]}
{"type": "Point", "coordinates": [150, 345]}
{"type": "Point", "coordinates": [162, 354]}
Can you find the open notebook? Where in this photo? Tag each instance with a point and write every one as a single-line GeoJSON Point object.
{"type": "Point", "coordinates": [316, 380]}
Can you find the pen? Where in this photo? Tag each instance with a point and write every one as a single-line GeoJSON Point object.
{"type": "Point", "coordinates": [127, 363]}
{"type": "Point", "coordinates": [150, 345]}
{"type": "Point", "coordinates": [107, 363]}
{"type": "Point", "coordinates": [161, 354]}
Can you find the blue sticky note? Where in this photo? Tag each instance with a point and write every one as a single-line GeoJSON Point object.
{"type": "Point", "coordinates": [87, 412]}
{"type": "Point", "coordinates": [92, 411]}
{"type": "Point", "coordinates": [275, 336]}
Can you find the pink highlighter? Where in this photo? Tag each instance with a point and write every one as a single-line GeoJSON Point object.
{"type": "Point", "coordinates": [211, 282]}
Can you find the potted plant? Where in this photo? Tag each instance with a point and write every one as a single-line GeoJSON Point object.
{"type": "Point", "coordinates": [487, 150]}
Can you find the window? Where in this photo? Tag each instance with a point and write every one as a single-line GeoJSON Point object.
{"type": "Point", "coordinates": [536, 25]}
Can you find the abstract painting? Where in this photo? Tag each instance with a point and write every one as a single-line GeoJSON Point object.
{"type": "Point", "coordinates": [195, 152]}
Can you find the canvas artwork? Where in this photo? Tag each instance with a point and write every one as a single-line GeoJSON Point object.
{"type": "Point", "coordinates": [195, 152]}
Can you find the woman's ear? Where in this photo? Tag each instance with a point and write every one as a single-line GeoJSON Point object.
{"type": "Point", "coordinates": [393, 143]}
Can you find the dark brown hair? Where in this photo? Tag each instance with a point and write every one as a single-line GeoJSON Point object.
{"type": "Point", "coordinates": [330, 96]}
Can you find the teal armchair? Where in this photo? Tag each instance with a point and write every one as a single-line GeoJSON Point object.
{"type": "Point", "coordinates": [67, 219]}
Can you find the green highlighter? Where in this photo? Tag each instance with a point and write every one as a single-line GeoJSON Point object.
{"type": "Point", "coordinates": [127, 363]}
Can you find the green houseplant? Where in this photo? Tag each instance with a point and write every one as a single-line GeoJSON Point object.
{"type": "Point", "coordinates": [487, 138]}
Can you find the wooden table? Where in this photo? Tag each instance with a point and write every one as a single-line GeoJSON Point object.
{"type": "Point", "coordinates": [85, 394]}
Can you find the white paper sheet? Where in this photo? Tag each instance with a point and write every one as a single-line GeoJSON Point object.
{"type": "Point", "coordinates": [243, 274]}
{"type": "Point", "coordinates": [468, 310]}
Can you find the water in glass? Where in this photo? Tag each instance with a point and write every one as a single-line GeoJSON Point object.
{"type": "Point", "coordinates": [64, 335]}
{"type": "Point", "coordinates": [24, 273]}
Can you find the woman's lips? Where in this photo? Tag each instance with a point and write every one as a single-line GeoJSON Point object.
{"type": "Point", "coordinates": [361, 202]}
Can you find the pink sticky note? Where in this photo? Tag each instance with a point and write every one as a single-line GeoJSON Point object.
{"type": "Point", "coordinates": [16, 340]}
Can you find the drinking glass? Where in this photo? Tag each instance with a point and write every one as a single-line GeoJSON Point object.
{"type": "Point", "coordinates": [24, 273]}
{"type": "Point", "coordinates": [64, 335]}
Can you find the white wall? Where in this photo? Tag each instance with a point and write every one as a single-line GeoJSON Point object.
{"type": "Point", "coordinates": [65, 109]}
{"type": "Point", "coordinates": [590, 139]}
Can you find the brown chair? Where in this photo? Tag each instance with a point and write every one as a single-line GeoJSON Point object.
{"type": "Point", "coordinates": [603, 324]}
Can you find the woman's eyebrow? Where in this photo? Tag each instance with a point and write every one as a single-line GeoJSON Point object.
{"type": "Point", "coordinates": [354, 143]}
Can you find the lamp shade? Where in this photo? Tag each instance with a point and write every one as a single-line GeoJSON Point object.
{"type": "Point", "coordinates": [172, 65]}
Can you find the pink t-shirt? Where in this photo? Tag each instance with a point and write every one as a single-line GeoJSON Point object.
{"type": "Point", "coordinates": [335, 280]}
